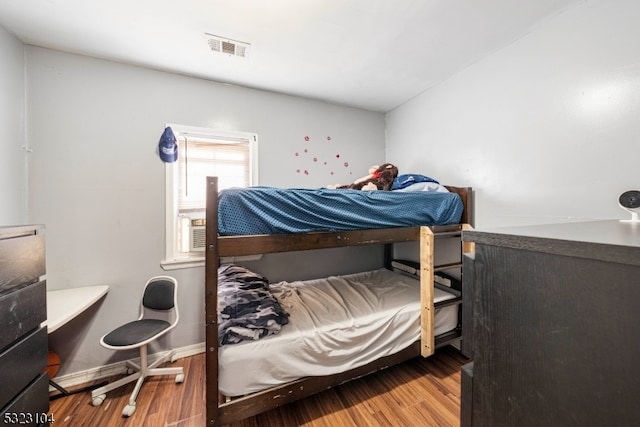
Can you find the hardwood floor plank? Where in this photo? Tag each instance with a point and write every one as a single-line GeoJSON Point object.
{"type": "Point", "coordinates": [419, 392]}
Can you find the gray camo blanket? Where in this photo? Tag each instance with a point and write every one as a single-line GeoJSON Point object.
{"type": "Point", "coordinates": [246, 308]}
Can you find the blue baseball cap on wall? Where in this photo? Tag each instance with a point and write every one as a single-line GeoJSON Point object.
{"type": "Point", "coordinates": [167, 147]}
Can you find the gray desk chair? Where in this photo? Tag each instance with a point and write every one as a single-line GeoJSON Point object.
{"type": "Point", "coordinates": [158, 315]}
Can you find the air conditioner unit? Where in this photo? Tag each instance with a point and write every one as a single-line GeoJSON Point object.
{"type": "Point", "coordinates": [198, 235]}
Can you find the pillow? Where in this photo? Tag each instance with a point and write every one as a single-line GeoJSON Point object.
{"type": "Point", "coordinates": [425, 186]}
{"type": "Point", "coordinates": [402, 181]}
{"type": "Point", "coordinates": [246, 308]}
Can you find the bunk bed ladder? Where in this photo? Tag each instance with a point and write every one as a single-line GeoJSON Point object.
{"type": "Point", "coordinates": [428, 270]}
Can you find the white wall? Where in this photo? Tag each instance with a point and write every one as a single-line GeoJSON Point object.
{"type": "Point", "coordinates": [545, 130]}
{"type": "Point", "coordinates": [12, 157]}
{"type": "Point", "coordinates": [98, 185]}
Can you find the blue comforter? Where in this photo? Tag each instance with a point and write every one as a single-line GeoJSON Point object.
{"type": "Point", "coordinates": [270, 210]}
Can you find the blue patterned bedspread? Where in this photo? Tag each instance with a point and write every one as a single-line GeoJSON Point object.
{"type": "Point", "coordinates": [270, 210]}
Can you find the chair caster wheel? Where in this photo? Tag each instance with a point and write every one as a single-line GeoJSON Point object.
{"type": "Point", "coordinates": [129, 410]}
{"type": "Point", "coordinates": [179, 378]}
{"type": "Point", "coordinates": [97, 400]}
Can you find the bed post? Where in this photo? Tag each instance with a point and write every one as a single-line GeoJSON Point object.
{"type": "Point", "coordinates": [427, 244]}
{"type": "Point", "coordinates": [388, 256]}
{"type": "Point", "coordinates": [211, 301]}
{"type": "Point", "coordinates": [466, 195]}
{"type": "Point", "coordinates": [467, 247]}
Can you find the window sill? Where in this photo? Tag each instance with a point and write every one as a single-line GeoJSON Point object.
{"type": "Point", "coordinates": [177, 264]}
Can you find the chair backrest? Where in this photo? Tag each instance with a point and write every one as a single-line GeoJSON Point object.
{"type": "Point", "coordinates": [159, 294]}
{"type": "Point", "coordinates": [160, 299]}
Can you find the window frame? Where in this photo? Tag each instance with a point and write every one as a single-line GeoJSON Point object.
{"type": "Point", "coordinates": [174, 259]}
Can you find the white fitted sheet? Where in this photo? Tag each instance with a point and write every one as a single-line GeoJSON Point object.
{"type": "Point", "coordinates": [335, 324]}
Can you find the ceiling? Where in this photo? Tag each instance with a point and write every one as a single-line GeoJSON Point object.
{"type": "Point", "coordinates": [369, 54]}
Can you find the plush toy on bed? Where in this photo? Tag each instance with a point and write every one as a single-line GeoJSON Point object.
{"type": "Point", "coordinates": [379, 178]}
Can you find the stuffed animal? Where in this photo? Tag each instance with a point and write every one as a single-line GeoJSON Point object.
{"type": "Point", "coordinates": [379, 178]}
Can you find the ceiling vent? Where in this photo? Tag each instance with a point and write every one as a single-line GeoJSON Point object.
{"type": "Point", "coordinates": [228, 46]}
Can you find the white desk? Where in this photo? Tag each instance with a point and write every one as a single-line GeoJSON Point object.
{"type": "Point", "coordinates": [62, 306]}
{"type": "Point", "coordinates": [65, 304]}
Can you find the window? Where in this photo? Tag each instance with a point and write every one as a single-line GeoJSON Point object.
{"type": "Point", "coordinates": [231, 156]}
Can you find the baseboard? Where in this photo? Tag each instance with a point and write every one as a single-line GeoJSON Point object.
{"type": "Point", "coordinates": [118, 368]}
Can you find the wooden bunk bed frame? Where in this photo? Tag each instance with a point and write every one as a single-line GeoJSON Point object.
{"type": "Point", "coordinates": [221, 411]}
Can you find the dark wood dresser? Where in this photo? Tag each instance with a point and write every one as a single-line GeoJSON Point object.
{"type": "Point", "coordinates": [24, 388]}
{"type": "Point", "coordinates": [553, 326]}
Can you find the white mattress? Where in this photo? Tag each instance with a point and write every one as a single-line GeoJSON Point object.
{"type": "Point", "coordinates": [335, 324]}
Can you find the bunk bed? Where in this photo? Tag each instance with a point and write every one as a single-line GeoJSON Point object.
{"type": "Point", "coordinates": [223, 240]}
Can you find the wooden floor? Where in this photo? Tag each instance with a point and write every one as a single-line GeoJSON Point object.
{"type": "Point", "coordinates": [420, 392]}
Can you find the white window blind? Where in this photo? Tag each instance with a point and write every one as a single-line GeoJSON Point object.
{"type": "Point", "coordinates": [229, 160]}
